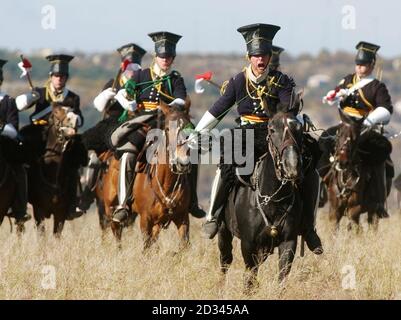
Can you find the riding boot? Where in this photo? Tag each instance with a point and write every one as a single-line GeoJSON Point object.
{"type": "Point", "coordinates": [74, 211]}
{"type": "Point", "coordinates": [219, 194]}
{"type": "Point", "coordinates": [193, 180]}
{"type": "Point", "coordinates": [310, 196]}
{"type": "Point", "coordinates": [19, 205]}
{"type": "Point", "coordinates": [125, 183]}
{"type": "Point", "coordinates": [88, 194]}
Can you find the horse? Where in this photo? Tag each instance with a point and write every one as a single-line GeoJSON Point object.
{"type": "Point", "coordinates": [8, 184]}
{"type": "Point", "coordinates": [397, 186]}
{"type": "Point", "coordinates": [266, 213]}
{"type": "Point", "coordinates": [53, 176]}
{"type": "Point", "coordinates": [161, 191]}
{"type": "Point", "coordinates": [352, 181]}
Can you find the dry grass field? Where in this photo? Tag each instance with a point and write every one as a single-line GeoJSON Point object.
{"type": "Point", "coordinates": [85, 265]}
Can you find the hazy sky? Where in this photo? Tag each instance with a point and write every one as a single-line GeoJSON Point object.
{"type": "Point", "coordinates": [206, 25]}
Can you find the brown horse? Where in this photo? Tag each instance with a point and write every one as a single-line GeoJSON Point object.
{"type": "Point", "coordinates": [352, 183]}
{"type": "Point", "coordinates": [106, 190]}
{"type": "Point", "coordinates": [53, 177]}
{"type": "Point", "coordinates": [8, 185]}
{"type": "Point", "coordinates": [161, 192]}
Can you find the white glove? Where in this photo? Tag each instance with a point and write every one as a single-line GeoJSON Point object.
{"type": "Point", "coordinates": [74, 120]}
{"type": "Point", "coordinates": [129, 105]}
{"type": "Point", "coordinates": [208, 122]}
{"type": "Point", "coordinates": [332, 97]}
{"type": "Point", "coordinates": [9, 131]}
{"type": "Point", "coordinates": [193, 140]}
{"type": "Point", "coordinates": [68, 131]}
{"type": "Point", "coordinates": [379, 115]}
{"type": "Point", "coordinates": [103, 98]}
{"type": "Point", "coordinates": [25, 100]}
{"type": "Point", "coordinates": [178, 102]}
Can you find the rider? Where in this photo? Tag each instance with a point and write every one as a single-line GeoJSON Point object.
{"type": "Point", "coordinates": [158, 82]}
{"type": "Point", "coordinates": [258, 93]}
{"type": "Point", "coordinates": [360, 95]}
{"type": "Point", "coordinates": [54, 91]}
{"type": "Point", "coordinates": [95, 137]}
{"type": "Point", "coordinates": [8, 128]}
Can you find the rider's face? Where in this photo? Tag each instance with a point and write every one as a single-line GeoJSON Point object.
{"type": "Point", "coordinates": [165, 62]}
{"type": "Point", "coordinates": [259, 63]}
{"type": "Point", "coordinates": [364, 70]}
{"type": "Point", "coordinates": [58, 81]}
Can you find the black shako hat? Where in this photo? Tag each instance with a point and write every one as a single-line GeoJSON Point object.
{"type": "Point", "coordinates": [59, 63]}
{"type": "Point", "coordinates": [366, 52]}
{"type": "Point", "coordinates": [131, 52]}
{"type": "Point", "coordinates": [275, 59]}
{"type": "Point", "coordinates": [165, 43]}
{"type": "Point", "coordinates": [258, 38]}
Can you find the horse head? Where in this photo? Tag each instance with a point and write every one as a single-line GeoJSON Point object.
{"type": "Point", "coordinates": [59, 133]}
{"type": "Point", "coordinates": [347, 139]}
{"type": "Point", "coordinates": [177, 152]}
{"type": "Point", "coordinates": [285, 145]}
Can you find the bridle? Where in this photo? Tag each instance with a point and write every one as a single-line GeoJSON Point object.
{"type": "Point", "coordinates": [288, 140]}
{"type": "Point", "coordinates": [169, 200]}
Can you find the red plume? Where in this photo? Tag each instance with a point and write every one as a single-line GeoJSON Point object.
{"type": "Point", "coordinates": [205, 76]}
{"type": "Point", "coordinates": [26, 63]}
{"type": "Point", "coordinates": [125, 64]}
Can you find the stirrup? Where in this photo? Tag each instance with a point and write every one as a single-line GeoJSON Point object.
{"type": "Point", "coordinates": [210, 229]}
{"type": "Point", "coordinates": [120, 214]}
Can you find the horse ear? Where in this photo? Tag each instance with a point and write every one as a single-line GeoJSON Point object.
{"type": "Point", "coordinates": [187, 104]}
{"type": "Point", "coordinates": [164, 107]}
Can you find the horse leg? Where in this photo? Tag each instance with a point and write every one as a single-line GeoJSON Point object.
{"type": "Point", "coordinates": [286, 252]}
{"type": "Point", "coordinates": [373, 220]}
{"type": "Point", "coordinates": [335, 215]}
{"type": "Point", "coordinates": [183, 231]}
{"type": "Point", "coordinates": [58, 225]}
{"type": "Point", "coordinates": [39, 220]}
{"type": "Point", "coordinates": [117, 229]}
{"type": "Point", "coordinates": [354, 213]}
{"type": "Point", "coordinates": [225, 239]}
{"type": "Point", "coordinates": [250, 255]}
{"type": "Point", "coordinates": [147, 231]}
{"type": "Point", "coordinates": [101, 211]}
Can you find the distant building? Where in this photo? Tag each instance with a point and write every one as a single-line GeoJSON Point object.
{"type": "Point", "coordinates": [318, 80]}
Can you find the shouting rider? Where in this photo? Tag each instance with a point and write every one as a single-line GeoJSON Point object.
{"type": "Point", "coordinates": [258, 93]}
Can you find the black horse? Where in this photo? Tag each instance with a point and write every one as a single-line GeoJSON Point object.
{"type": "Point", "coordinates": [53, 173]}
{"type": "Point", "coordinates": [267, 213]}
